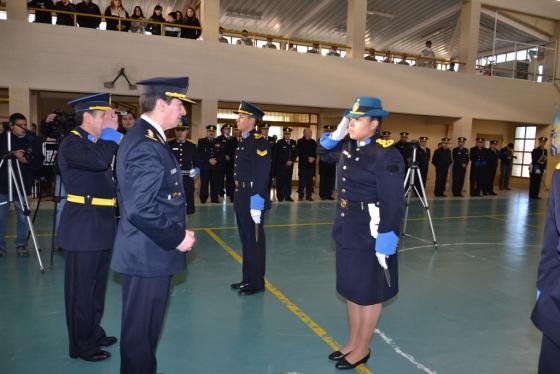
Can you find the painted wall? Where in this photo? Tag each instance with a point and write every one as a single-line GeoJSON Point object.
{"type": "Point", "coordinates": [47, 57]}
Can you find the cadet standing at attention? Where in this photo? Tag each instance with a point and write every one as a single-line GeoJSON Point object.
{"type": "Point", "coordinates": [87, 225]}
{"type": "Point", "coordinates": [264, 129]}
{"type": "Point", "coordinates": [252, 168]}
{"type": "Point", "coordinates": [307, 153]}
{"type": "Point", "coordinates": [211, 156]}
{"type": "Point", "coordinates": [152, 235]}
{"type": "Point", "coordinates": [479, 164]}
{"type": "Point", "coordinates": [460, 161]}
{"type": "Point", "coordinates": [405, 149]}
{"type": "Point", "coordinates": [285, 154]}
{"type": "Point", "coordinates": [370, 175]}
{"type": "Point", "coordinates": [537, 168]}
{"type": "Point", "coordinates": [226, 177]}
{"type": "Point", "coordinates": [442, 161]}
{"type": "Point", "coordinates": [186, 154]}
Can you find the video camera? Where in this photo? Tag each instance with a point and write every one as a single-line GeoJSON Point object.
{"type": "Point", "coordinates": [62, 124]}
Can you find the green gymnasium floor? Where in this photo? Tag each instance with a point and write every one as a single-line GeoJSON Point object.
{"type": "Point", "coordinates": [464, 309]}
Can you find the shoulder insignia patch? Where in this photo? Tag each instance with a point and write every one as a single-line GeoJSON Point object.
{"type": "Point", "coordinates": [385, 143]}
{"type": "Point", "coordinates": [191, 141]}
{"type": "Point", "coordinates": [258, 136]}
{"type": "Point", "coordinates": [150, 135]}
{"type": "Point", "coordinates": [262, 153]}
{"type": "Point", "coordinates": [75, 132]}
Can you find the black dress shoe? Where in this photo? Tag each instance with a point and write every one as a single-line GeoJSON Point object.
{"type": "Point", "coordinates": [246, 291]}
{"type": "Point", "coordinates": [238, 286]}
{"type": "Point", "coordinates": [100, 355]}
{"type": "Point", "coordinates": [289, 199]}
{"type": "Point", "coordinates": [492, 193]}
{"type": "Point", "coordinates": [337, 355]}
{"type": "Point", "coordinates": [345, 365]}
{"type": "Point", "coordinates": [309, 198]}
{"type": "Point", "coordinates": [107, 341]}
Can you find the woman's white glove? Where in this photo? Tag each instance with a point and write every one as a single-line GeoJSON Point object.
{"type": "Point", "coordinates": [256, 215]}
{"type": "Point", "coordinates": [341, 130]}
{"type": "Point", "coordinates": [382, 259]}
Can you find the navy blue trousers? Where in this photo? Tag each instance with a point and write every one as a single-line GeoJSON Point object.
{"type": "Point", "coordinates": [85, 283]}
{"type": "Point", "coordinates": [549, 360]}
{"type": "Point", "coordinates": [254, 254]}
{"type": "Point", "coordinates": [144, 302]}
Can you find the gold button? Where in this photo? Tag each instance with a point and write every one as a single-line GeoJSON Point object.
{"type": "Point", "coordinates": [343, 179]}
{"type": "Point", "coordinates": [343, 190]}
{"type": "Point", "coordinates": [342, 214]}
{"type": "Point", "coordinates": [357, 149]}
{"type": "Point", "coordinates": [344, 167]}
{"type": "Point", "coordinates": [176, 183]}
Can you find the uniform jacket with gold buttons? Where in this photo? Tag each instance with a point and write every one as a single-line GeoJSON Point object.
{"type": "Point", "coordinates": [152, 205]}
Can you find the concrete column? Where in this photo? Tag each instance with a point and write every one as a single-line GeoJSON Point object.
{"type": "Point", "coordinates": [356, 28]}
{"type": "Point", "coordinates": [462, 127]}
{"type": "Point", "coordinates": [470, 26]}
{"type": "Point", "coordinates": [16, 10]}
{"type": "Point", "coordinates": [203, 114]}
{"type": "Point", "coordinates": [209, 19]}
{"type": "Point", "coordinates": [552, 58]}
{"type": "Point", "coordinates": [20, 101]}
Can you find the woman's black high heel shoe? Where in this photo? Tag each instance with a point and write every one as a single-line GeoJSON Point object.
{"type": "Point", "coordinates": [337, 355]}
{"type": "Point", "coordinates": [345, 365]}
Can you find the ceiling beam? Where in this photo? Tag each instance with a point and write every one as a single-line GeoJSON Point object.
{"type": "Point", "coordinates": [517, 25]}
{"type": "Point", "coordinates": [419, 27]}
{"type": "Point", "coordinates": [306, 18]}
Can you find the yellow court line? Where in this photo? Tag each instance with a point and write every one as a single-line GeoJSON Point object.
{"type": "Point", "coordinates": [318, 330]}
{"type": "Point", "coordinates": [497, 218]}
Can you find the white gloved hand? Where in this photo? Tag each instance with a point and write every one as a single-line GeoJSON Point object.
{"type": "Point", "coordinates": [341, 130]}
{"type": "Point", "coordinates": [256, 215]}
{"type": "Point", "coordinates": [193, 173]}
{"type": "Point", "coordinates": [382, 259]}
{"type": "Point", "coordinates": [374, 219]}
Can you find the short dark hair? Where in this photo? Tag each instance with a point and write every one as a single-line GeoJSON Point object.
{"type": "Point", "coordinates": [16, 116]}
{"type": "Point", "coordinates": [79, 116]}
{"type": "Point", "coordinates": [148, 102]}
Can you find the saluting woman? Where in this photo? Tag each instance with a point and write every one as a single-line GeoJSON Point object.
{"type": "Point", "coordinates": [370, 175]}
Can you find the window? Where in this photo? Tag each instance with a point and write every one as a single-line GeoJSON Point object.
{"type": "Point", "coordinates": [522, 146]}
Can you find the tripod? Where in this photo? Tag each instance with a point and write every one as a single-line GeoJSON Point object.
{"type": "Point", "coordinates": [16, 180]}
{"type": "Point", "coordinates": [412, 173]}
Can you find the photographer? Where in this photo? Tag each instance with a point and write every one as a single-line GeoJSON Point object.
{"type": "Point", "coordinates": [25, 151]}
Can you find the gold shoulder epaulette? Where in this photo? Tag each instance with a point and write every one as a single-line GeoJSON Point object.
{"type": "Point", "coordinates": [258, 136]}
{"type": "Point", "coordinates": [75, 132]}
{"type": "Point", "coordinates": [385, 143]}
{"type": "Point", "coordinates": [191, 141]}
{"type": "Point", "coordinates": [558, 166]}
{"type": "Point", "coordinates": [150, 135]}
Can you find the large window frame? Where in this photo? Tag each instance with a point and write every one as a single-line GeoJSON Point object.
{"type": "Point", "coordinates": [523, 145]}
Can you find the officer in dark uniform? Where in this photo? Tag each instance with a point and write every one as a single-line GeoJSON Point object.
{"type": "Point", "coordinates": [493, 157]}
{"type": "Point", "coordinates": [327, 174]}
{"type": "Point", "coordinates": [87, 225]}
{"type": "Point", "coordinates": [546, 313]}
{"type": "Point", "coordinates": [151, 237]}
{"type": "Point", "coordinates": [442, 161]}
{"type": "Point", "coordinates": [405, 149]}
{"type": "Point", "coordinates": [370, 176]}
{"type": "Point", "coordinates": [227, 168]}
{"type": "Point", "coordinates": [186, 154]}
{"type": "Point", "coordinates": [252, 168]}
{"type": "Point", "coordinates": [460, 161]}
{"type": "Point", "coordinates": [211, 155]}
{"type": "Point", "coordinates": [284, 156]}
{"type": "Point", "coordinates": [423, 156]}
{"type": "Point", "coordinates": [479, 165]}
{"type": "Point", "coordinates": [264, 128]}
{"type": "Point", "coordinates": [537, 168]}
{"type": "Point", "coordinates": [385, 134]}
{"type": "Point", "coordinates": [307, 154]}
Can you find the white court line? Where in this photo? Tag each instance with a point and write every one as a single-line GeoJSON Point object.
{"type": "Point", "coordinates": [418, 238]}
{"type": "Point", "coordinates": [400, 352]}
{"type": "Point", "coordinates": [452, 244]}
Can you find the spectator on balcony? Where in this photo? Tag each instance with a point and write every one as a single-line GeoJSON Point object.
{"type": "Point", "coordinates": [292, 47]}
{"type": "Point", "coordinates": [245, 39]}
{"type": "Point", "coordinates": [316, 49]}
{"type": "Point", "coordinates": [334, 51]}
{"type": "Point", "coordinates": [40, 16]}
{"type": "Point", "coordinates": [371, 56]}
{"type": "Point", "coordinates": [222, 38]}
{"type": "Point", "coordinates": [63, 18]}
{"type": "Point", "coordinates": [428, 59]}
{"type": "Point", "coordinates": [170, 28]}
{"type": "Point", "coordinates": [138, 27]}
{"type": "Point", "coordinates": [192, 21]}
{"type": "Point", "coordinates": [116, 10]}
{"type": "Point", "coordinates": [403, 61]}
{"type": "Point", "coordinates": [155, 28]}
{"type": "Point", "coordinates": [179, 16]}
{"type": "Point", "coordinates": [88, 7]}
{"type": "Point", "coordinates": [451, 67]}
{"type": "Point", "coordinates": [269, 43]}
{"type": "Point", "coordinates": [388, 59]}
